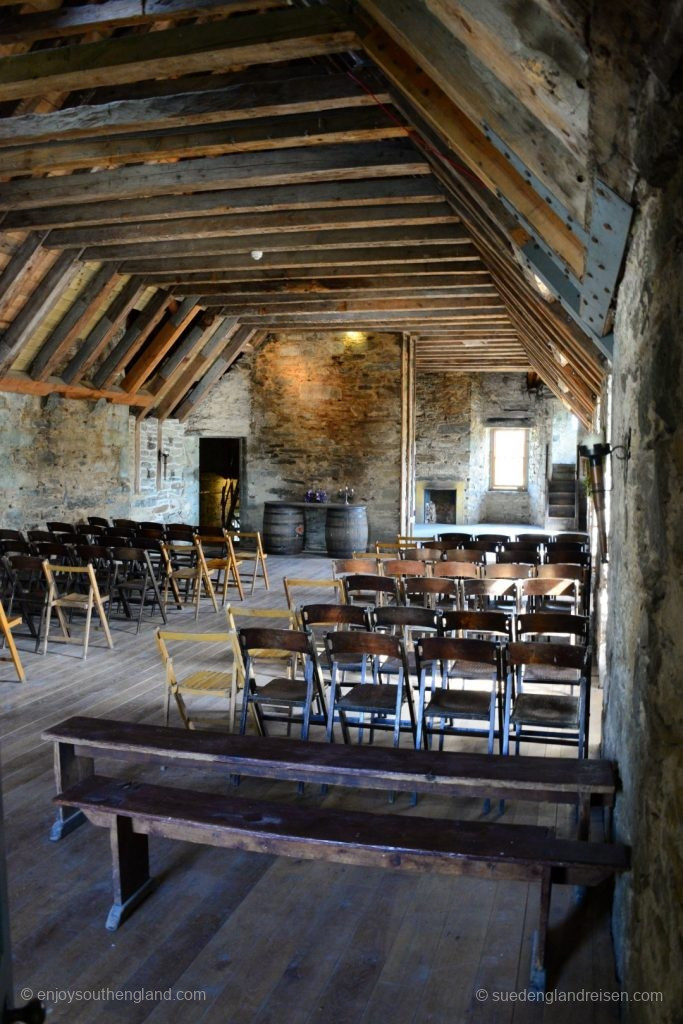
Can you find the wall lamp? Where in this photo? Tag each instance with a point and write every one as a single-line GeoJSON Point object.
{"type": "Point", "coordinates": [596, 451]}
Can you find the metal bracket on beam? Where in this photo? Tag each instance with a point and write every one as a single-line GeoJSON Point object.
{"type": "Point", "coordinates": [609, 227]}
{"type": "Point", "coordinates": [544, 192]}
{"type": "Point", "coordinates": [565, 291]}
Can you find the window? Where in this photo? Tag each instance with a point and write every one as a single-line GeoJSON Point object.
{"type": "Point", "coordinates": [509, 459]}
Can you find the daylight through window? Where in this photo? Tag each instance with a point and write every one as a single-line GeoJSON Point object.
{"type": "Point", "coordinates": [509, 459]}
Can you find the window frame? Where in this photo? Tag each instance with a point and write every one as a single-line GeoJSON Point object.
{"type": "Point", "coordinates": [524, 486]}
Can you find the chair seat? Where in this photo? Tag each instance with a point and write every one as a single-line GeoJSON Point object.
{"type": "Point", "coordinates": [206, 680]}
{"type": "Point", "coordinates": [185, 574]}
{"type": "Point", "coordinates": [551, 673]}
{"type": "Point", "coordinates": [217, 563]}
{"type": "Point", "coordinates": [370, 697]}
{"type": "Point", "coordinates": [551, 710]}
{"type": "Point", "coordinates": [76, 601]}
{"type": "Point", "coordinates": [460, 704]}
{"type": "Point", "coordinates": [471, 670]}
{"type": "Point", "coordinates": [11, 623]}
{"type": "Point", "coordinates": [282, 689]}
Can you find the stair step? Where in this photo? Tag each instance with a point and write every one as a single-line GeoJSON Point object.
{"type": "Point", "coordinates": [562, 511]}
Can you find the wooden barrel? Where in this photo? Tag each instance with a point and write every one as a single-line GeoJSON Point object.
{"type": "Point", "coordinates": [283, 529]}
{"type": "Point", "coordinates": [346, 530]}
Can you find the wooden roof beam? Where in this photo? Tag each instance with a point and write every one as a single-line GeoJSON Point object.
{"type": "Point", "coordinates": [196, 367]}
{"type": "Point", "coordinates": [232, 351]}
{"type": "Point", "coordinates": [160, 344]}
{"type": "Point", "coordinates": [102, 332]}
{"type": "Point", "coordinates": [20, 262]}
{"type": "Point", "coordinates": [266, 199]}
{"type": "Point", "coordinates": [347, 162]}
{"type": "Point", "coordinates": [132, 341]}
{"type": "Point", "coordinates": [67, 331]}
{"type": "Point", "coordinates": [215, 46]}
{"type": "Point", "coordinates": [22, 384]}
{"type": "Point", "coordinates": [39, 303]}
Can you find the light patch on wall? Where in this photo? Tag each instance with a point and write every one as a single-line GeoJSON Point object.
{"type": "Point", "coordinates": [354, 337]}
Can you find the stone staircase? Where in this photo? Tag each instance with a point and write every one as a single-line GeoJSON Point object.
{"type": "Point", "coordinates": [561, 499]}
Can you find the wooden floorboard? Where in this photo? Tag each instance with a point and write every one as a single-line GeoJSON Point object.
{"type": "Point", "coordinates": [264, 940]}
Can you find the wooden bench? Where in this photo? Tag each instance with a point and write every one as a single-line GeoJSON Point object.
{"type": "Point", "coordinates": [78, 741]}
{"type": "Point", "coordinates": [134, 811]}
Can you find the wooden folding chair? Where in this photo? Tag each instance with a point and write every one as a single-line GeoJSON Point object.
{"type": "Point", "coordinates": [202, 682]}
{"type": "Point", "coordinates": [292, 583]}
{"type": "Point", "coordinates": [6, 630]}
{"type": "Point", "coordinates": [73, 600]}
{"type": "Point", "coordinates": [250, 553]}
{"type": "Point", "coordinates": [221, 560]}
{"type": "Point", "coordinates": [185, 562]}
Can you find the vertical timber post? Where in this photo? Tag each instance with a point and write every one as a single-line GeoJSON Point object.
{"type": "Point", "coordinates": [407, 514]}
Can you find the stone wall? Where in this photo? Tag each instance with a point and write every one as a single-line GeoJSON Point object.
{"type": "Point", "coordinates": [67, 459]}
{"type": "Point", "coordinates": [324, 411]}
{"type": "Point", "coordinates": [453, 438]}
{"type": "Point", "coordinates": [643, 714]}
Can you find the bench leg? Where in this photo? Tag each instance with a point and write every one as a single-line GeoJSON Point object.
{"type": "Point", "coordinates": [130, 869]}
{"type": "Point", "coordinates": [69, 769]}
{"type": "Point", "coordinates": [540, 938]}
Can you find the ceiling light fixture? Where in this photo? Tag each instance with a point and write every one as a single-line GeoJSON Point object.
{"type": "Point", "coordinates": [257, 254]}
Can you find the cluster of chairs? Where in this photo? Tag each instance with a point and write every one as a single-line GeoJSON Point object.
{"type": "Point", "coordinates": [406, 669]}
{"type": "Point", "coordinates": [98, 566]}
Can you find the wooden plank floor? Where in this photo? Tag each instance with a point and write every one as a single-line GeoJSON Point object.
{"type": "Point", "coordinates": [262, 940]}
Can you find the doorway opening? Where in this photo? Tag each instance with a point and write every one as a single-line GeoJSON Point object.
{"type": "Point", "coordinates": [220, 462]}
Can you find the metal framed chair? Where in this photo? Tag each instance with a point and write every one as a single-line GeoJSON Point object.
{"type": "Point", "coordinates": [371, 589]}
{"type": "Point", "coordinates": [371, 695]}
{"type": "Point", "coordinates": [134, 579]}
{"type": "Point", "coordinates": [300, 695]}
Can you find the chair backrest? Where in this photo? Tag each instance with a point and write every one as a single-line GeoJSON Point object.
{"type": "Point", "coordinates": [88, 530]}
{"type": "Point", "coordinates": [530, 539]}
{"type": "Point", "coordinates": [126, 523]}
{"type": "Point", "coordinates": [85, 553]}
{"type": "Point", "coordinates": [442, 545]}
{"type": "Point", "coordinates": [572, 537]}
{"type": "Point", "coordinates": [567, 553]}
{"type": "Point", "coordinates": [404, 567]}
{"type": "Point", "coordinates": [233, 612]}
{"type": "Point", "coordinates": [294, 583]}
{"type": "Point", "coordinates": [51, 549]}
{"type": "Point", "coordinates": [425, 554]}
{"type": "Point", "coordinates": [563, 570]}
{"type": "Point", "coordinates": [98, 521]}
{"type": "Point", "coordinates": [290, 641]}
{"type": "Point", "coordinates": [553, 624]}
{"type": "Point", "coordinates": [508, 571]}
{"type": "Point", "coordinates": [402, 617]}
{"type": "Point", "coordinates": [347, 642]}
{"type": "Point", "coordinates": [154, 530]}
{"type": "Point", "coordinates": [525, 556]}
{"type": "Point", "coordinates": [20, 547]}
{"type": "Point", "coordinates": [456, 570]}
{"type": "Point", "coordinates": [128, 554]}
{"type": "Point", "coordinates": [11, 535]}
{"type": "Point", "coordinates": [389, 548]}
{"type": "Point", "coordinates": [179, 532]}
{"type": "Point", "coordinates": [430, 649]}
{"type": "Point", "coordinates": [367, 583]}
{"type": "Point", "coordinates": [34, 535]}
{"type": "Point", "coordinates": [416, 585]}
{"type": "Point", "coordinates": [496, 538]}
{"type": "Point", "coordinates": [312, 615]}
{"type": "Point", "coordinates": [547, 588]}
{"type": "Point", "coordinates": [463, 622]}
{"type": "Point", "coordinates": [150, 525]}
{"type": "Point", "coordinates": [465, 555]}
{"type": "Point", "coordinates": [558, 655]}
{"type": "Point", "coordinates": [458, 539]}
{"type": "Point", "coordinates": [56, 527]}
{"type": "Point", "coordinates": [343, 566]}
{"type": "Point", "coordinates": [487, 543]}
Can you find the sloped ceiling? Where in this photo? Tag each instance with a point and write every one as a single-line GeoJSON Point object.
{"type": "Point", "coordinates": [177, 179]}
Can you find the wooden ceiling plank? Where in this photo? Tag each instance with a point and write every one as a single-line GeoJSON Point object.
{"type": "Point", "coordinates": [60, 340]}
{"type": "Point", "coordinates": [134, 338]}
{"type": "Point", "coordinates": [190, 374]}
{"type": "Point", "coordinates": [246, 101]}
{"type": "Point", "coordinates": [215, 46]}
{"type": "Point", "coordinates": [368, 124]}
{"type": "Point", "coordinates": [407, 214]}
{"type": "Point", "coordinates": [20, 262]}
{"type": "Point", "coordinates": [117, 311]}
{"type": "Point", "coordinates": [273, 199]}
{"type": "Point", "coordinates": [38, 304]}
{"type": "Point", "coordinates": [328, 277]}
{"type": "Point", "coordinates": [486, 303]}
{"type": "Point", "coordinates": [319, 300]}
{"type": "Point", "coordinates": [160, 344]}
{"type": "Point", "coordinates": [344, 162]}
{"type": "Point", "coordinates": [335, 285]}
{"type": "Point", "coordinates": [232, 351]}
{"type": "Point", "coordinates": [67, 21]}
{"type": "Point", "coordinates": [22, 384]}
{"type": "Point", "coordinates": [313, 259]}
{"type": "Point", "coordinates": [301, 241]}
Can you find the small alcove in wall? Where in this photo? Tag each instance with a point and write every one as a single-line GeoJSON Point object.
{"type": "Point", "coordinates": [220, 480]}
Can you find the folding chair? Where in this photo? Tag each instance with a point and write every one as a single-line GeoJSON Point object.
{"type": "Point", "coordinates": [27, 590]}
{"type": "Point", "coordinates": [430, 591]}
{"type": "Point", "coordinates": [294, 583]}
{"type": "Point", "coordinates": [185, 562]}
{"type": "Point", "coordinates": [370, 695]}
{"type": "Point", "coordinates": [477, 666]}
{"type": "Point", "coordinates": [134, 576]}
{"type": "Point", "coordinates": [250, 553]}
{"type": "Point", "coordinates": [202, 682]}
{"type": "Point", "coordinates": [6, 626]}
{"type": "Point", "coordinates": [555, 718]}
{"type": "Point", "coordinates": [366, 588]}
{"type": "Point", "coordinates": [220, 558]}
{"type": "Point", "coordinates": [301, 696]}
{"type": "Point", "coordinates": [73, 600]}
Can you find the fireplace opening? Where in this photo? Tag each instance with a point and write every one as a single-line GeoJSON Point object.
{"type": "Point", "coordinates": [440, 505]}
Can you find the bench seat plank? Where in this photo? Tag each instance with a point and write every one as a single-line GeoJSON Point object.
{"type": "Point", "coordinates": [450, 773]}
